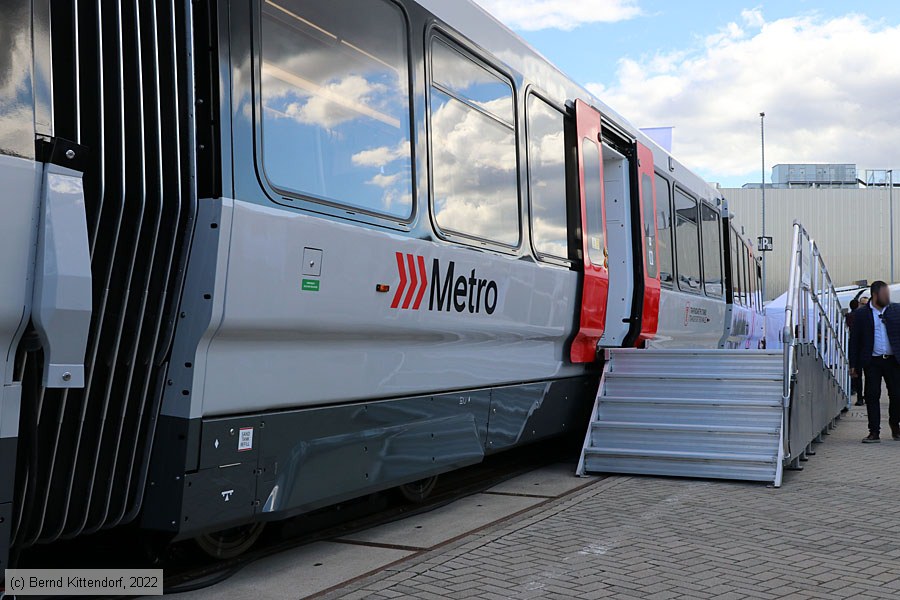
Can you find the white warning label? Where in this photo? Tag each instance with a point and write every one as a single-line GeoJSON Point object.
{"type": "Point", "coordinates": [245, 439]}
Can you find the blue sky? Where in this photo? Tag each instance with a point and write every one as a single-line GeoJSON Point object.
{"type": "Point", "coordinates": [827, 73]}
{"type": "Point", "coordinates": [591, 52]}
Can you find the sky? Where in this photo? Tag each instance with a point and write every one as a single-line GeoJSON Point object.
{"type": "Point", "coordinates": [825, 72]}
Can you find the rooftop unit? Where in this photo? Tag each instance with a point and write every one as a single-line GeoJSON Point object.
{"type": "Point", "coordinates": [814, 175]}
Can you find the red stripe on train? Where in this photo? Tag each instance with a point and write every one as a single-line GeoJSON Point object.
{"type": "Point", "coordinates": [411, 269]}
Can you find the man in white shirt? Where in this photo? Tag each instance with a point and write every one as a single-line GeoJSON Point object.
{"type": "Point", "coordinates": [873, 337]}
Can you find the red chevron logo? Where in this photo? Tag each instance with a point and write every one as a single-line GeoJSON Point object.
{"type": "Point", "coordinates": [412, 271]}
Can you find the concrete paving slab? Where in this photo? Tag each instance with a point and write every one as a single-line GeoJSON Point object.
{"type": "Point", "coordinates": [445, 523]}
{"type": "Point", "coordinates": [551, 481]}
{"type": "Point", "coordinates": [830, 532]}
{"type": "Point", "coordinates": [300, 572]}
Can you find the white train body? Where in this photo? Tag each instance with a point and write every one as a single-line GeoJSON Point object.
{"type": "Point", "coordinates": [314, 249]}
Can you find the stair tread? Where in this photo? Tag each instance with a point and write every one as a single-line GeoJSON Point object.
{"type": "Point", "coordinates": [680, 454]}
{"type": "Point", "coordinates": [737, 403]}
{"type": "Point", "coordinates": [686, 427]}
{"type": "Point", "coordinates": [773, 378]}
{"type": "Point", "coordinates": [696, 351]}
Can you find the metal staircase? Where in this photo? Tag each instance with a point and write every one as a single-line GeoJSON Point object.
{"type": "Point", "coordinates": [692, 413]}
{"type": "Point", "coordinates": [728, 414]}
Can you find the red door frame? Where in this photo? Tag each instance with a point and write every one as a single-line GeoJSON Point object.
{"type": "Point", "coordinates": [595, 284]}
{"type": "Point", "coordinates": [650, 312]}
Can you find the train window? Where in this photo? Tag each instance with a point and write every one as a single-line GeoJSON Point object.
{"type": "Point", "coordinates": [751, 273]}
{"type": "Point", "coordinates": [687, 242]}
{"type": "Point", "coordinates": [593, 203]}
{"type": "Point", "coordinates": [335, 104]}
{"type": "Point", "coordinates": [762, 301]}
{"type": "Point", "coordinates": [649, 228]}
{"type": "Point", "coordinates": [712, 250]}
{"type": "Point", "coordinates": [745, 270]}
{"type": "Point", "coordinates": [468, 80]}
{"type": "Point", "coordinates": [547, 178]}
{"type": "Point", "coordinates": [736, 277]}
{"type": "Point", "coordinates": [664, 229]}
{"type": "Point", "coordinates": [474, 165]}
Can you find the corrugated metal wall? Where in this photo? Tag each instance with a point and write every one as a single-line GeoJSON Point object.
{"type": "Point", "coordinates": [851, 227]}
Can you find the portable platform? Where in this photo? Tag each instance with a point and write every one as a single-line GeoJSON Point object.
{"type": "Point", "coordinates": [700, 413]}
{"type": "Point", "coordinates": [728, 414]}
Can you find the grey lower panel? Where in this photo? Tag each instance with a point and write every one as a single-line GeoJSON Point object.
{"type": "Point", "coordinates": [5, 529]}
{"type": "Point", "coordinates": [274, 465]}
{"type": "Point", "coordinates": [221, 495]}
{"type": "Point", "coordinates": [7, 468]}
{"type": "Point", "coordinates": [7, 482]}
{"type": "Point", "coordinates": [174, 454]}
{"type": "Point", "coordinates": [527, 413]}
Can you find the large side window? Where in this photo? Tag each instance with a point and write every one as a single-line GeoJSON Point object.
{"type": "Point", "coordinates": [712, 251]}
{"type": "Point", "coordinates": [335, 104]}
{"type": "Point", "coordinates": [664, 227]}
{"type": "Point", "coordinates": [687, 242]}
{"type": "Point", "coordinates": [547, 178]}
{"type": "Point", "coordinates": [473, 149]}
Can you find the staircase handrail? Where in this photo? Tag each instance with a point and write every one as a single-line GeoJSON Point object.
{"type": "Point", "coordinates": [813, 315]}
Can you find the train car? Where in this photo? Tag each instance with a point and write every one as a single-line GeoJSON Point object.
{"type": "Point", "coordinates": [265, 256]}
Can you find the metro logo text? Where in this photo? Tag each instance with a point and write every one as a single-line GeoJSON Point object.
{"type": "Point", "coordinates": [466, 292]}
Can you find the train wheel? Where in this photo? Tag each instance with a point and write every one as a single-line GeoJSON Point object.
{"type": "Point", "coordinates": [418, 491]}
{"type": "Point", "coordinates": [229, 543]}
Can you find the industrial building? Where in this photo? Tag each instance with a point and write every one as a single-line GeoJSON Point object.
{"type": "Point", "coordinates": [852, 227]}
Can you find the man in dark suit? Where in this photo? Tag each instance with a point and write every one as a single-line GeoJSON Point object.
{"type": "Point", "coordinates": [873, 337]}
{"type": "Point", "coordinates": [856, 383]}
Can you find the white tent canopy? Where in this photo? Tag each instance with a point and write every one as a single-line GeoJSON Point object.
{"type": "Point", "coordinates": [775, 310]}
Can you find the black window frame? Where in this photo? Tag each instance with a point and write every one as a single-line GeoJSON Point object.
{"type": "Point", "coordinates": [746, 269]}
{"type": "Point", "coordinates": [670, 284]}
{"type": "Point", "coordinates": [718, 229]}
{"type": "Point", "coordinates": [735, 267]}
{"type": "Point", "coordinates": [532, 91]}
{"type": "Point", "coordinates": [467, 51]}
{"type": "Point", "coordinates": [754, 284]}
{"type": "Point", "coordinates": [688, 290]}
{"type": "Point", "coordinates": [758, 269]}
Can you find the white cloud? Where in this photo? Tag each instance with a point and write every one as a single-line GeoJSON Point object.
{"type": "Point", "coordinates": [15, 85]}
{"type": "Point", "coordinates": [322, 108]}
{"type": "Point", "coordinates": [532, 15]}
{"type": "Point", "coordinates": [382, 155]}
{"type": "Point", "coordinates": [384, 180]}
{"type": "Point", "coordinates": [829, 88]}
{"type": "Point", "coordinates": [753, 17]}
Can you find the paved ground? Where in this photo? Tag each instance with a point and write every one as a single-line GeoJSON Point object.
{"type": "Point", "coordinates": [309, 570]}
{"type": "Point", "coordinates": [832, 531]}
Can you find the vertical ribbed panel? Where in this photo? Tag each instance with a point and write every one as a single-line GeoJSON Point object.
{"type": "Point", "coordinates": [121, 87]}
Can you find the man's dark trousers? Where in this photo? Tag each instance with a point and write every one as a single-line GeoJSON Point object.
{"type": "Point", "coordinates": [887, 369]}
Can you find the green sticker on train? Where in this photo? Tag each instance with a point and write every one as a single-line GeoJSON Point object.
{"type": "Point", "coordinates": [310, 285]}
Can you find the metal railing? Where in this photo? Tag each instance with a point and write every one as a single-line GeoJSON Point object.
{"type": "Point", "coordinates": [815, 332]}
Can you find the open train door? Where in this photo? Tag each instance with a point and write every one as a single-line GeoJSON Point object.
{"type": "Point", "coordinates": [647, 190]}
{"type": "Point", "coordinates": [595, 284]}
